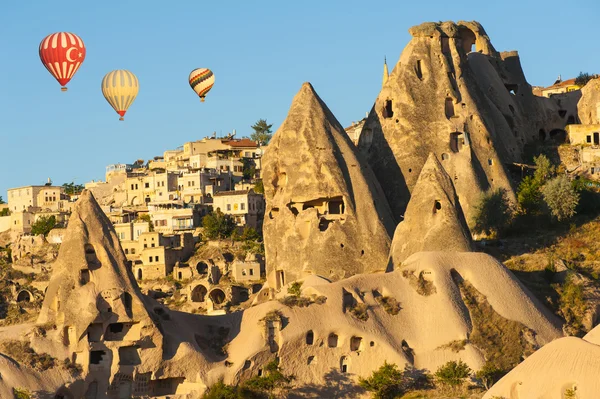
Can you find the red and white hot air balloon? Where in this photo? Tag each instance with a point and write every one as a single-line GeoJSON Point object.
{"type": "Point", "coordinates": [62, 54]}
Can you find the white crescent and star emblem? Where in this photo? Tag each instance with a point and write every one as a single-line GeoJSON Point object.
{"type": "Point", "coordinates": [68, 54]}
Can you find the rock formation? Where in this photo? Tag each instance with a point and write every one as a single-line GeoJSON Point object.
{"type": "Point", "coordinates": [95, 315]}
{"type": "Point", "coordinates": [433, 220]}
{"type": "Point", "coordinates": [588, 106]}
{"type": "Point", "coordinates": [453, 94]}
{"type": "Point", "coordinates": [567, 364]}
{"type": "Point", "coordinates": [325, 212]}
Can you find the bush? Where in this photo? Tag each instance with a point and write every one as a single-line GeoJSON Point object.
{"type": "Point", "coordinates": [489, 375]}
{"type": "Point", "coordinates": [360, 311]}
{"type": "Point", "coordinates": [43, 225]}
{"type": "Point", "coordinates": [583, 78]}
{"type": "Point", "coordinates": [24, 354]}
{"type": "Point", "coordinates": [572, 306]}
{"type": "Point", "coordinates": [545, 170]}
{"type": "Point", "coordinates": [5, 212]}
{"type": "Point", "coordinates": [217, 225]}
{"type": "Point", "coordinates": [223, 391]}
{"type": "Point", "coordinates": [453, 373]}
{"type": "Point", "coordinates": [259, 188]}
{"type": "Point", "coordinates": [386, 383]}
{"type": "Point", "coordinates": [493, 213]}
{"type": "Point", "coordinates": [389, 304]}
{"type": "Point", "coordinates": [272, 383]}
{"type": "Point", "coordinates": [295, 288]}
{"type": "Point", "coordinates": [561, 197]}
{"type": "Point", "coordinates": [21, 393]}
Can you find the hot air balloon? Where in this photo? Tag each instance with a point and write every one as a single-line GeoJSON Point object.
{"type": "Point", "coordinates": [202, 80]}
{"type": "Point", "coordinates": [120, 87]}
{"type": "Point", "coordinates": [62, 54]}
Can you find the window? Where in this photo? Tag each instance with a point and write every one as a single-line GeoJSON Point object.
{"type": "Point", "coordinates": [228, 207]}
{"type": "Point", "coordinates": [156, 258]}
{"type": "Point", "coordinates": [146, 185]}
{"type": "Point", "coordinates": [242, 206]}
{"type": "Point", "coordinates": [132, 251]}
{"type": "Point", "coordinates": [252, 270]}
{"type": "Point", "coordinates": [243, 272]}
{"type": "Point", "coordinates": [150, 259]}
{"type": "Point", "coordinates": [247, 154]}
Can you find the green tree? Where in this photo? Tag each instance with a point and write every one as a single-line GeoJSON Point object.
{"type": "Point", "coordinates": [248, 168]}
{"type": "Point", "coordinates": [146, 218]}
{"type": "Point", "coordinates": [218, 225]}
{"type": "Point", "coordinates": [262, 132]}
{"type": "Point", "coordinates": [493, 213]}
{"type": "Point", "coordinates": [43, 225]}
{"type": "Point", "coordinates": [529, 196]}
{"type": "Point", "coordinates": [545, 170]}
{"type": "Point", "coordinates": [386, 383]}
{"type": "Point", "coordinates": [273, 383]}
{"type": "Point", "coordinates": [72, 188]}
{"type": "Point", "coordinates": [583, 78]}
{"type": "Point", "coordinates": [561, 197]}
{"type": "Point", "coordinates": [1, 200]}
{"type": "Point", "coordinates": [259, 188]}
{"type": "Point", "coordinates": [295, 289]}
{"type": "Point", "coordinates": [453, 373]}
{"type": "Point", "coordinates": [4, 212]}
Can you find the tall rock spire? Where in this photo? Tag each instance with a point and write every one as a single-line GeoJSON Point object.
{"type": "Point", "coordinates": [433, 220]}
{"type": "Point", "coordinates": [386, 74]}
{"type": "Point", "coordinates": [325, 213]}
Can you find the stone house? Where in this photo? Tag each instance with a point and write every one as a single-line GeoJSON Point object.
{"type": "Point", "coordinates": [246, 207]}
{"type": "Point", "coordinates": [174, 216]}
{"type": "Point", "coordinates": [158, 254]}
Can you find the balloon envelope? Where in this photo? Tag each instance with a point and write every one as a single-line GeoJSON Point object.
{"type": "Point", "coordinates": [62, 54]}
{"type": "Point", "coordinates": [120, 87]}
{"type": "Point", "coordinates": [202, 80]}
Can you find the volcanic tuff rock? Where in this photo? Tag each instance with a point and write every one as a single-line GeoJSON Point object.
{"type": "Point", "coordinates": [99, 317]}
{"type": "Point", "coordinates": [433, 220]}
{"type": "Point", "coordinates": [473, 109]}
{"type": "Point", "coordinates": [325, 211]}
{"type": "Point", "coordinates": [589, 104]}
{"type": "Point", "coordinates": [568, 363]}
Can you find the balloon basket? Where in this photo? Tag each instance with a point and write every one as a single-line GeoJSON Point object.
{"type": "Point", "coordinates": [63, 89]}
{"type": "Point", "coordinates": [121, 119]}
{"type": "Point", "coordinates": [201, 99]}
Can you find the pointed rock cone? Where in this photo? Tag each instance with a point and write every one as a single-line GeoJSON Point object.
{"type": "Point", "coordinates": [433, 220]}
{"type": "Point", "coordinates": [325, 212]}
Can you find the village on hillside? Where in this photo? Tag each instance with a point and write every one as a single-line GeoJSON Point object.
{"type": "Point", "coordinates": [444, 246]}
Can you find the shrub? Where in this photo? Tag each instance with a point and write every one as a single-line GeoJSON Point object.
{"type": "Point", "coordinates": [43, 225]}
{"type": "Point", "coordinates": [493, 213]}
{"type": "Point", "coordinates": [572, 306]}
{"type": "Point", "coordinates": [453, 373]}
{"type": "Point", "coordinates": [259, 188]}
{"type": "Point", "coordinates": [583, 78]}
{"type": "Point", "coordinates": [222, 391]}
{"type": "Point", "coordinates": [24, 354]}
{"type": "Point", "coordinates": [274, 383]}
{"type": "Point", "coordinates": [545, 170]}
{"type": "Point", "coordinates": [561, 197]}
{"type": "Point", "coordinates": [295, 289]}
{"type": "Point", "coordinates": [386, 383]}
{"type": "Point", "coordinates": [21, 393]}
{"type": "Point", "coordinates": [360, 311]}
{"type": "Point", "coordinates": [489, 375]}
{"type": "Point", "coordinates": [389, 304]}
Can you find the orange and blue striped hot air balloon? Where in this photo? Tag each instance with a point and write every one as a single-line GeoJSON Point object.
{"type": "Point", "coordinates": [202, 80]}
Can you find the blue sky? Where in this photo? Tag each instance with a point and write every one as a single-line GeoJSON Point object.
{"type": "Point", "coordinates": [260, 51]}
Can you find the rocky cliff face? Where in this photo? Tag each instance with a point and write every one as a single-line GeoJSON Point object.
{"type": "Point", "coordinates": [433, 220]}
{"type": "Point", "coordinates": [453, 94]}
{"type": "Point", "coordinates": [325, 211]}
{"type": "Point", "coordinates": [588, 106]}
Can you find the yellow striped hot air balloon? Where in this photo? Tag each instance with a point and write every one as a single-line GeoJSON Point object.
{"type": "Point", "coordinates": [120, 87]}
{"type": "Point", "coordinates": [202, 80]}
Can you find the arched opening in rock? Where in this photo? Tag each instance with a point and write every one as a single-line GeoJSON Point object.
{"type": "Point", "coordinates": [571, 120]}
{"type": "Point", "coordinates": [332, 340]}
{"type": "Point", "coordinates": [542, 135]}
{"type": "Point", "coordinates": [387, 111]}
{"type": "Point", "coordinates": [445, 157]}
{"type": "Point", "coordinates": [199, 293]}
{"type": "Point", "coordinates": [310, 360]}
{"type": "Point", "coordinates": [355, 343]}
{"type": "Point", "coordinates": [457, 140]}
{"type": "Point", "coordinates": [468, 39]}
{"type": "Point", "coordinates": [84, 276]}
{"type": "Point", "coordinates": [91, 257]}
{"type": "Point", "coordinates": [202, 268]}
{"type": "Point", "coordinates": [560, 136]}
{"type": "Point", "coordinates": [418, 70]}
{"type": "Point", "coordinates": [562, 113]}
{"type": "Point", "coordinates": [139, 274]}
{"type": "Point", "coordinates": [217, 296]}
{"type": "Point", "coordinates": [449, 107]}
{"type": "Point", "coordinates": [24, 296]}
{"type": "Point", "coordinates": [437, 205]}
{"type": "Point", "coordinates": [344, 364]}
{"type": "Point", "coordinates": [512, 88]}
{"type": "Point", "coordinates": [310, 336]}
